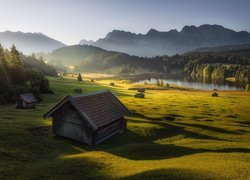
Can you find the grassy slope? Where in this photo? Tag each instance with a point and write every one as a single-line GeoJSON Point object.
{"type": "Point", "coordinates": [173, 134]}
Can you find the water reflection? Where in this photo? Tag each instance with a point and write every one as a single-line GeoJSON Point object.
{"type": "Point", "coordinates": [205, 84]}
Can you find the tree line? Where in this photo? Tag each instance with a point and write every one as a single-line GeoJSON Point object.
{"type": "Point", "coordinates": [215, 65]}
{"type": "Point", "coordinates": [198, 65]}
{"type": "Point", "coordinates": [21, 74]}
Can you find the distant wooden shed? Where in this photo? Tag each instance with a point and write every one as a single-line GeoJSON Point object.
{"type": "Point", "coordinates": [90, 118]}
{"type": "Point", "coordinates": [26, 101]}
{"type": "Point", "coordinates": [139, 95]}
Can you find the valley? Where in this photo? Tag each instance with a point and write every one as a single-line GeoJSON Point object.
{"type": "Point", "coordinates": [209, 66]}
{"type": "Point", "coordinates": [175, 133]}
{"type": "Point", "coordinates": [130, 90]}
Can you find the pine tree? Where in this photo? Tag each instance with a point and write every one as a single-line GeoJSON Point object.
{"type": "Point", "coordinates": [3, 60]}
{"type": "Point", "coordinates": [4, 78]}
{"type": "Point", "coordinates": [157, 82]}
{"type": "Point", "coordinates": [247, 87]}
{"type": "Point", "coordinates": [4, 85]}
{"type": "Point", "coordinates": [15, 58]}
{"type": "Point", "coordinates": [79, 78]}
{"type": "Point", "coordinates": [16, 69]}
{"type": "Point", "coordinates": [162, 83]}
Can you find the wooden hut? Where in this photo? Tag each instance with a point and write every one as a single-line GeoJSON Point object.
{"type": "Point", "coordinates": [215, 93]}
{"type": "Point", "coordinates": [26, 101]}
{"type": "Point", "coordinates": [90, 118]}
{"type": "Point", "coordinates": [139, 95]}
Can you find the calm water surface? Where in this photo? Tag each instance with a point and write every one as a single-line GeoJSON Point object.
{"type": "Point", "coordinates": [204, 84]}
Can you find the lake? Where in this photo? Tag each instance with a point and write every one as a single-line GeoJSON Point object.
{"type": "Point", "coordinates": [196, 84]}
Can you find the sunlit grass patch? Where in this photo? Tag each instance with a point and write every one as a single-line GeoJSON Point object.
{"type": "Point", "coordinates": [171, 133]}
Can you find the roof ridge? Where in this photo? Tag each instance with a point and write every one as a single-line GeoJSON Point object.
{"type": "Point", "coordinates": [119, 101]}
{"type": "Point", "coordinates": [90, 94]}
{"type": "Point", "coordinates": [82, 113]}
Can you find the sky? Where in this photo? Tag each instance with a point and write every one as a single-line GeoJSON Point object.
{"type": "Point", "coordinates": [69, 21]}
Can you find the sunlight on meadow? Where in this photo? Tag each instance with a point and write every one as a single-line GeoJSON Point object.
{"type": "Point", "coordinates": [124, 89]}
{"type": "Point", "coordinates": [191, 140]}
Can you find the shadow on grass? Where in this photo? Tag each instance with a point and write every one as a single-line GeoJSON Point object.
{"type": "Point", "coordinates": [170, 117]}
{"type": "Point", "coordinates": [151, 151]}
{"type": "Point", "coordinates": [135, 114]}
{"type": "Point", "coordinates": [171, 173]}
{"type": "Point", "coordinates": [155, 151]}
{"type": "Point", "coordinates": [63, 168]}
{"type": "Point", "coordinates": [169, 120]}
{"type": "Point", "coordinates": [171, 129]}
{"type": "Point", "coordinates": [135, 147]}
{"type": "Point", "coordinates": [244, 123]}
{"type": "Point", "coordinates": [210, 128]}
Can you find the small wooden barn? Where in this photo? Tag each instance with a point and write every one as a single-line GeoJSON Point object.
{"type": "Point", "coordinates": [90, 118]}
{"type": "Point", "coordinates": [26, 101]}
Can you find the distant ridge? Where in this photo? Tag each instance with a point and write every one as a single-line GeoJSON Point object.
{"type": "Point", "coordinates": [86, 42]}
{"type": "Point", "coordinates": [155, 43]}
{"type": "Point", "coordinates": [29, 42]}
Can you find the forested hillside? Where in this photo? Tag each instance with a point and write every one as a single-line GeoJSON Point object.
{"type": "Point", "coordinates": [39, 64]}
{"type": "Point", "coordinates": [216, 65]}
{"type": "Point", "coordinates": [94, 59]}
{"type": "Point", "coordinates": [219, 66]}
{"type": "Point", "coordinates": [20, 74]}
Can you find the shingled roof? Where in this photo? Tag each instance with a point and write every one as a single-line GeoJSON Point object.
{"type": "Point", "coordinates": [28, 97]}
{"type": "Point", "coordinates": [98, 108]}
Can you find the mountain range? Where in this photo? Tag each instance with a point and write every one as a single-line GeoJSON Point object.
{"type": "Point", "coordinates": [155, 43]}
{"type": "Point", "coordinates": [29, 42]}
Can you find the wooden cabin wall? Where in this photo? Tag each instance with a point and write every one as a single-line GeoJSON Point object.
{"type": "Point", "coordinates": [20, 104]}
{"type": "Point", "coordinates": [68, 123]}
{"type": "Point", "coordinates": [116, 126]}
{"type": "Point", "coordinates": [30, 105]}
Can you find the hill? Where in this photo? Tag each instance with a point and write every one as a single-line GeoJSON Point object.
{"type": "Point", "coordinates": [155, 43]}
{"type": "Point", "coordinates": [92, 59]}
{"type": "Point", "coordinates": [29, 42]}
{"type": "Point", "coordinates": [71, 55]}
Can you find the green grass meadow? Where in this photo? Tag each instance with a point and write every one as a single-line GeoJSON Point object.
{"type": "Point", "coordinates": [171, 134]}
